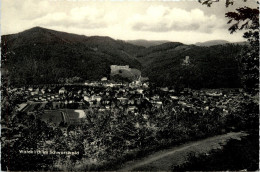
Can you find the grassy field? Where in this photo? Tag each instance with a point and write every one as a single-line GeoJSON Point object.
{"type": "Point", "coordinates": [52, 116]}
{"type": "Point", "coordinates": [73, 115]}
{"type": "Point", "coordinates": [70, 116]}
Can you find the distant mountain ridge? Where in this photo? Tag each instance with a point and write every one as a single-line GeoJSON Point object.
{"type": "Point", "coordinates": [211, 43]}
{"type": "Point", "coordinates": [40, 55]}
{"type": "Point", "coordinates": [218, 42]}
{"type": "Point", "coordinates": [147, 43]}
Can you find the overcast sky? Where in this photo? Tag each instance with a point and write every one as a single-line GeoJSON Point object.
{"type": "Point", "coordinates": [183, 21]}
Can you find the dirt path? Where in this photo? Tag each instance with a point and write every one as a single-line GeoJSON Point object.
{"type": "Point", "coordinates": [164, 160]}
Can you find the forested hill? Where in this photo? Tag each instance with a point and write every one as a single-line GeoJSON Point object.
{"type": "Point", "coordinates": [209, 67]}
{"type": "Point", "coordinates": [40, 55]}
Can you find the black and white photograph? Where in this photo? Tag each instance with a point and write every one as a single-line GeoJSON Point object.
{"type": "Point", "coordinates": [129, 85]}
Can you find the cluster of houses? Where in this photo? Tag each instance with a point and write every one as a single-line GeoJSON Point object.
{"type": "Point", "coordinates": [104, 97]}
{"type": "Point", "coordinates": [95, 94]}
{"type": "Point", "coordinates": [109, 83]}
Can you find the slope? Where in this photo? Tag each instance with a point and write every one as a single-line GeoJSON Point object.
{"type": "Point", "coordinates": [209, 67]}
{"type": "Point", "coordinates": [40, 55]}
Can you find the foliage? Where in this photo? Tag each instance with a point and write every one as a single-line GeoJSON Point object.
{"type": "Point", "coordinates": [210, 2]}
{"type": "Point", "coordinates": [235, 156]}
{"type": "Point", "coordinates": [112, 137]}
{"type": "Point", "coordinates": [120, 78]}
{"type": "Point", "coordinates": [247, 19]}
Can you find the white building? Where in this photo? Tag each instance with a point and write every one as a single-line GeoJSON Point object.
{"type": "Point", "coordinates": [116, 68]}
{"type": "Point", "coordinates": [62, 90]}
{"type": "Point", "coordinates": [104, 79]}
{"type": "Point", "coordinates": [186, 61]}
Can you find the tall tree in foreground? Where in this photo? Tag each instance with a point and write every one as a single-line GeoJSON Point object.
{"type": "Point", "coordinates": [247, 19]}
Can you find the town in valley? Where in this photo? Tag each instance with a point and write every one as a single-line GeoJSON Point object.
{"type": "Point", "coordinates": [129, 86]}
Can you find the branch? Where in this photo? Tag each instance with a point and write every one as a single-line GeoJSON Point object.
{"type": "Point", "coordinates": [210, 2]}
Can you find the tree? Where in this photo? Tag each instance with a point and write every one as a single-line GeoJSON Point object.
{"type": "Point", "coordinates": [245, 18]}
{"type": "Point", "coordinates": [248, 19]}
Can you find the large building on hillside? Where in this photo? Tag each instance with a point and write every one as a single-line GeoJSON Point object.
{"type": "Point", "coordinates": [115, 68]}
{"type": "Point", "coordinates": [125, 72]}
